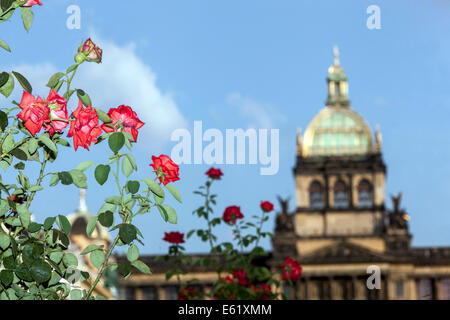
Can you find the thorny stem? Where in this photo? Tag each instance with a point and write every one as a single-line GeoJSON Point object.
{"type": "Point", "coordinates": [116, 239]}
{"type": "Point", "coordinates": [208, 220]}
{"type": "Point", "coordinates": [38, 182]}
{"type": "Point", "coordinates": [258, 230]}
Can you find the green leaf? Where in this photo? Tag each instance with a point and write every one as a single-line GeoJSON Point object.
{"type": "Point", "coordinates": [127, 167]}
{"type": "Point", "coordinates": [131, 158]}
{"type": "Point", "coordinates": [163, 212]}
{"type": "Point", "coordinates": [45, 139]}
{"type": "Point", "coordinates": [23, 272]}
{"type": "Point", "coordinates": [106, 219]}
{"type": "Point", "coordinates": [154, 187]}
{"type": "Point", "coordinates": [24, 215]}
{"type": "Point", "coordinates": [141, 266]}
{"type": "Point", "coordinates": [65, 177]}
{"type": "Point", "coordinates": [90, 248]}
{"type": "Point", "coordinates": [7, 88]}
{"type": "Point", "coordinates": [113, 200]}
{"type": "Point", "coordinates": [27, 17]}
{"type": "Point", "coordinates": [71, 68]}
{"type": "Point", "coordinates": [76, 294]}
{"type": "Point", "coordinates": [8, 144]}
{"type": "Point", "coordinates": [124, 269]}
{"type": "Point", "coordinates": [133, 253]}
{"type": "Point", "coordinates": [23, 82]}
{"type": "Point", "coordinates": [36, 188]}
{"type": "Point", "coordinates": [133, 186]}
{"type": "Point", "coordinates": [4, 241]}
{"type": "Point", "coordinates": [7, 277]}
{"type": "Point", "coordinates": [3, 78]}
{"type": "Point", "coordinates": [97, 258]}
{"type": "Point", "coordinates": [91, 226]}
{"type": "Point", "coordinates": [21, 166]}
{"type": "Point", "coordinates": [56, 256]}
{"type": "Point", "coordinates": [34, 227]}
{"type": "Point", "coordinates": [63, 224]}
{"type": "Point", "coordinates": [79, 178]}
{"type": "Point", "coordinates": [4, 207]}
{"type": "Point", "coordinates": [84, 97]}
{"type": "Point", "coordinates": [48, 223]}
{"type": "Point", "coordinates": [101, 173]}
{"type": "Point", "coordinates": [54, 180]}
{"type": "Point", "coordinates": [171, 213]}
{"type": "Point", "coordinates": [103, 116]}
{"type": "Point", "coordinates": [70, 260]}
{"type": "Point", "coordinates": [174, 191]}
{"type": "Point", "coordinates": [3, 118]}
{"type": "Point", "coordinates": [127, 233]}
{"type": "Point", "coordinates": [4, 45]}
{"type": "Point", "coordinates": [32, 145]}
{"type": "Point", "coordinates": [85, 165]}
{"type": "Point", "coordinates": [41, 271]}
{"type": "Point", "coordinates": [116, 141]}
{"type": "Point", "coordinates": [54, 79]}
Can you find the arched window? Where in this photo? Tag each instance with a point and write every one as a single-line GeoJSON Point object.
{"type": "Point", "coordinates": [340, 195]}
{"type": "Point", "coordinates": [365, 194]}
{"type": "Point", "coordinates": [316, 195]}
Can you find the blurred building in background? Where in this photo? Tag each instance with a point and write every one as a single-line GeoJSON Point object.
{"type": "Point", "coordinates": [340, 230]}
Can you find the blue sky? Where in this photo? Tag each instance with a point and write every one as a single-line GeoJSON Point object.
{"type": "Point", "coordinates": [180, 61]}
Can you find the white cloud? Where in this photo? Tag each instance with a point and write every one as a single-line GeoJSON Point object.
{"type": "Point", "coordinates": [260, 115]}
{"type": "Point", "coordinates": [122, 78]}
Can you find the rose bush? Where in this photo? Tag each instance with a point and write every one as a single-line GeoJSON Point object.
{"type": "Point", "coordinates": [238, 276]}
{"type": "Point", "coordinates": [34, 261]}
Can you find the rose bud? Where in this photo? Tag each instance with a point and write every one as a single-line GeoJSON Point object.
{"type": "Point", "coordinates": [90, 52]}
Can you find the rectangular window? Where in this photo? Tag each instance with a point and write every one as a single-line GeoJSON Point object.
{"type": "Point", "coordinates": [445, 285]}
{"type": "Point", "coordinates": [149, 293]}
{"type": "Point", "coordinates": [128, 293]}
{"type": "Point", "coordinates": [171, 292]}
{"type": "Point", "coordinates": [425, 289]}
{"type": "Point", "coordinates": [399, 289]}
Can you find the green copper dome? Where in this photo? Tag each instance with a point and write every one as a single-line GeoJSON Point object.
{"type": "Point", "coordinates": [337, 131]}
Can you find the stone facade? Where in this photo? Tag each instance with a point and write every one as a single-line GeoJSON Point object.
{"type": "Point", "coordinates": [340, 229]}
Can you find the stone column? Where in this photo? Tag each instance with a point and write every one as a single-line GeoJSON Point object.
{"type": "Point", "coordinates": [439, 295]}
{"type": "Point", "coordinates": [139, 294]}
{"type": "Point", "coordinates": [161, 293]}
{"type": "Point", "coordinates": [359, 285]}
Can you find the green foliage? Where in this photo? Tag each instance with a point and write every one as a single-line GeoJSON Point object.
{"type": "Point", "coordinates": [34, 261]}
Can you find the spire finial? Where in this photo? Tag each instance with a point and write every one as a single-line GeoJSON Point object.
{"type": "Point", "coordinates": [82, 206]}
{"type": "Point", "coordinates": [378, 138]}
{"type": "Point", "coordinates": [299, 142]}
{"type": "Point", "coordinates": [336, 55]}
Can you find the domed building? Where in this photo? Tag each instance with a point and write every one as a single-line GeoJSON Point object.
{"type": "Point", "coordinates": [341, 230]}
{"type": "Point", "coordinates": [350, 245]}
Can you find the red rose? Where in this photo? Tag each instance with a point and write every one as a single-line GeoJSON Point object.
{"type": "Point", "coordinates": [231, 214]}
{"type": "Point", "coordinates": [214, 173]}
{"type": "Point", "coordinates": [124, 117]}
{"type": "Point", "coordinates": [188, 293]}
{"type": "Point", "coordinates": [241, 277]}
{"type": "Point", "coordinates": [85, 127]}
{"type": "Point", "coordinates": [174, 237]}
{"type": "Point", "coordinates": [58, 110]}
{"type": "Point", "coordinates": [227, 279]}
{"type": "Point", "coordinates": [168, 167]}
{"type": "Point", "coordinates": [291, 270]}
{"type": "Point", "coordinates": [31, 3]}
{"type": "Point", "coordinates": [35, 112]}
{"type": "Point", "coordinates": [266, 206]}
{"type": "Point", "coordinates": [263, 291]}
